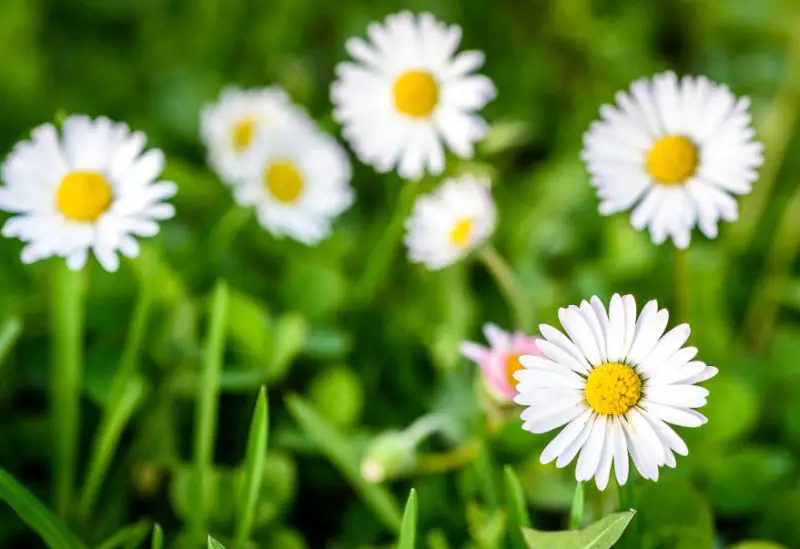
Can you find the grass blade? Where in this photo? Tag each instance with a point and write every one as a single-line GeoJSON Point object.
{"type": "Point", "coordinates": [131, 536]}
{"type": "Point", "coordinates": [33, 512]}
{"type": "Point", "coordinates": [516, 508]}
{"type": "Point", "coordinates": [254, 468]}
{"type": "Point", "coordinates": [9, 334]}
{"type": "Point", "coordinates": [214, 544]}
{"type": "Point", "coordinates": [207, 401]}
{"type": "Point", "coordinates": [337, 450]}
{"type": "Point", "coordinates": [576, 511]}
{"type": "Point", "coordinates": [157, 539]}
{"type": "Point", "coordinates": [408, 526]}
{"type": "Point", "coordinates": [68, 295]}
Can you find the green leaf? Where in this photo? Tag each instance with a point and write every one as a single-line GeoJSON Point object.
{"type": "Point", "coordinates": [254, 468]}
{"type": "Point", "coordinates": [518, 516]}
{"type": "Point", "coordinates": [336, 448]}
{"type": "Point", "coordinates": [129, 536]}
{"type": "Point", "coordinates": [408, 527]}
{"type": "Point", "coordinates": [9, 334]}
{"type": "Point", "coordinates": [52, 531]}
{"type": "Point", "coordinates": [157, 540]}
{"type": "Point", "coordinates": [214, 544]}
{"type": "Point", "coordinates": [576, 511]}
{"type": "Point", "coordinates": [603, 534]}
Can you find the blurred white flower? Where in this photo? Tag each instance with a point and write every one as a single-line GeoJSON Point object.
{"type": "Point", "coordinates": [229, 127]}
{"type": "Point", "coordinates": [675, 152]}
{"type": "Point", "coordinates": [448, 223]}
{"type": "Point", "coordinates": [407, 92]}
{"type": "Point", "coordinates": [298, 180]}
{"type": "Point", "coordinates": [92, 188]}
{"type": "Point", "coordinates": [615, 381]}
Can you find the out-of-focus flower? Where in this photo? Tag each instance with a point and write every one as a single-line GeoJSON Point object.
{"type": "Point", "coordinates": [90, 189]}
{"type": "Point", "coordinates": [389, 455]}
{"type": "Point", "coordinates": [615, 381]}
{"type": "Point", "coordinates": [448, 223]}
{"type": "Point", "coordinates": [407, 92]}
{"type": "Point", "coordinates": [230, 127]}
{"type": "Point", "coordinates": [500, 360]}
{"type": "Point", "coordinates": [676, 152]}
{"type": "Point", "coordinates": [298, 180]}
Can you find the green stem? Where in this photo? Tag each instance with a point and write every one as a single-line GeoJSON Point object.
{"type": "Point", "coordinates": [576, 511]}
{"type": "Point", "coordinates": [9, 334]}
{"type": "Point", "coordinates": [425, 426]}
{"type": "Point", "coordinates": [68, 309]}
{"type": "Point", "coordinates": [506, 281]}
{"type": "Point", "coordinates": [683, 284]}
{"type": "Point", "coordinates": [206, 407]}
{"type": "Point", "coordinates": [381, 256]}
{"type": "Point", "coordinates": [627, 501]}
{"type": "Point", "coordinates": [762, 312]}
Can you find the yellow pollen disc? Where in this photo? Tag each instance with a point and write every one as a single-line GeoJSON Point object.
{"type": "Point", "coordinates": [83, 195]}
{"type": "Point", "coordinates": [243, 133]}
{"type": "Point", "coordinates": [459, 235]}
{"type": "Point", "coordinates": [283, 181]}
{"type": "Point", "coordinates": [613, 388]}
{"type": "Point", "coordinates": [672, 159]}
{"type": "Point", "coordinates": [513, 365]}
{"type": "Point", "coordinates": [416, 94]}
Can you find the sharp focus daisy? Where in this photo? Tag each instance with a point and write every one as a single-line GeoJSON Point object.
{"type": "Point", "coordinates": [615, 382]}
{"type": "Point", "coordinates": [408, 92]}
{"type": "Point", "coordinates": [450, 222]}
{"type": "Point", "coordinates": [298, 180]}
{"type": "Point", "coordinates": [676, 152]}
{"type": "Point", "coordinates": [230, 126]}
{"type": "Point", "coordinates": [92, 188]}
{"type": "Point", "coordinates": [500, 360]}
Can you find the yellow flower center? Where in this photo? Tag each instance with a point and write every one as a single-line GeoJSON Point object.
{"type": "Point", "coordinates": [416, 94]}
{"type": "Point", "coordinates": [283, 181]}
{"type": "Point", "coordinates": [459, 235]}
{"type": "Point", "coordinates": [672, 159]}
{"type": "Point", "coordinates": [83, 195]}
{"type": "Point", "coordinates": [513, 365]}
{"type": "Point", "coordinates": [242, 134]}
{"type": "Point", "coordinates": [613, 388]}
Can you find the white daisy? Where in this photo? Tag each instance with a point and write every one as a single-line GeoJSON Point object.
{"type": "Point", "coordinates": [298, 180]}
{"type": "Point", "coordinates": [92, 188]}
{"type": "Point", "coordinates": [615, 381]}
{"type": "Point", "coordinates": [675, 152]}
{"type": "Point", "coordinates": [447, 224]}
{"type": "Point", "coordinates": [408, 92]}
{"type": "Point", "coordinates": [229, 127]}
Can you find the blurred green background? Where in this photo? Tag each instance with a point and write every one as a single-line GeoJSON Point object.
{"type": "Point", "coordinates": [379, 363]}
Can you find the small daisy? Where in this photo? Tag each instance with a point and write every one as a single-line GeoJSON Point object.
{"type": "Point", "coordinates": [616, 381]}
{"type": "Point", "coordinates": [676, 152]}
{"type": "Point", "coordinates": [447, 224]}
{"type": "Point", "coordinates": [229, 127]}
{"type": "Point", "coordinates": [407, 92]}
{"type": "Point", "coordinates": [91, 188]}
{"type": "Point", "coordinates": [500, 361]}
{"type": "Point", "coordinates": [298, 180]}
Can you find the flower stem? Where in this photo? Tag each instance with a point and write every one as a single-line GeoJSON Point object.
{"type": "Point", "coordinates": [627, 501]}
{"type": "Point", "coordinates": [683, 284]}
{"type": "Point", "coordinates": [507, 283]}
{"type": "Point", "coordinates": [425, 426]}
{"type": "Point", "coordinates": [67, 317]}
{"type": "Point", "coordinates": [576, 511]}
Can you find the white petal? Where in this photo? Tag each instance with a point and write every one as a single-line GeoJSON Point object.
{"type": "Point", "coordinates": [592, 451]}
{"type": "Point", "coordinates": [580, 333]}
{"type": "Point", "coordinates": [677, 416]}
{"type": "Point", "coordinates": [566, 437]}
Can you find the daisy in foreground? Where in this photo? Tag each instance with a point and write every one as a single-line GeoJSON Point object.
{"type": "Point", "coordinates": [92, 188]}
{"type": "Point", "coordinates": [408, 92]}
{"type": "Point", "coordinates": [298, 180]}
{"type": "Point", "coordinates": [230, 126]}
{"type": "Point", "coordinates": [616, 381]}
{"type": "Point", "coordinates": [450, 222]}
{"type": "Point", "coordinates": [500, 361]}
{"type": "Point", "coordinates": [676, 152]}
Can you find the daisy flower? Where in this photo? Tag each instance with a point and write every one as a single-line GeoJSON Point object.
{"type": "Point", "coordinates": [500, 360]}
{"type": "Point", "coordinates": [408, 92]}
{"type": "Point", "coordinates": [298, 180]}
{"type": "Point", "coordinates": [90, 188]}
{"type": "Point", "coordinates": [615, 381]}
{"type": "Point", "coordinates": [229, 127]}
{"type": "Point", "coordinates": [447, 224]}
{"type": "Point", "coordinates": [676, 152]}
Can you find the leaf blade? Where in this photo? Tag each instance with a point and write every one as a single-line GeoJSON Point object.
{"type": "Point", "coordinates": [129, 536]}
{"type": "Point", "coordinates": [254, 467]}
{"type": "Point", "coordinates": [603, 534]}
{"type": "Point", "coordinates": [517, 509]}
{"type": "Point", "coordinates": [408, 525]}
